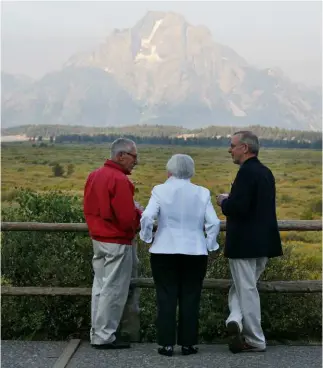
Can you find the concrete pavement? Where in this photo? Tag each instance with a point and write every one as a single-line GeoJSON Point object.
{"type": "Point", "coordinates": [34, 354]}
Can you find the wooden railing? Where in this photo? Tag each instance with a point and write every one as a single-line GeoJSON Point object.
{"type": "Point", "coordinates": [284, 225]}
{"type": "Point", "coordinates": [132, 318]}
{"type": "Point", "coordinates": [304, 286]}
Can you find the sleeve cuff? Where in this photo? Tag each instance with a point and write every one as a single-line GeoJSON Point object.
{"type": "Point", "coordinates": [213, 247]}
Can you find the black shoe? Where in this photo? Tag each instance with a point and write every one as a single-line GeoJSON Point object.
{"type": "Point", "coordinates": [188, 350]}
{"type": "Point", "coordinates": [236, 342]}
{"type": "Point", "coordinates": [166, 350]}
{"type": "Point", "coordinates": [113, 345]}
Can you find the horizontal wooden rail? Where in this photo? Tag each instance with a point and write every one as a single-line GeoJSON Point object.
{"type": "Point", "coordinates": [304, 286]}
{"type": "Point", "coordinates": [284, 225]}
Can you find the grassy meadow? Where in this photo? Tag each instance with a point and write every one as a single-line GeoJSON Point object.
{"type": "Point", "coordinates": [63, 259]}
{"type": "Point", "coordinates": [297, 173]}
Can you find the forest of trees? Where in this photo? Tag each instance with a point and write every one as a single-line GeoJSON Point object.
{"type": "Point", "coordinates": [190, 141]}
{"type": "Point", "coordinates": [153, 131]}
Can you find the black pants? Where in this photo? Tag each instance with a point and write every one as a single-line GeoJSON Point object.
{"type": "Point", "coordinates": [178, 277]}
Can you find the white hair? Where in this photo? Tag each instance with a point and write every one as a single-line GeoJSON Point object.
{"type": "Point", "coordinates": [121, 145]}
{"type": "Point", "coordinates": [181, 166]}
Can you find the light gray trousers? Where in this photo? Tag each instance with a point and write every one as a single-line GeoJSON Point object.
{"type": "Point", "coordinates": [244, 301]}
{"type": "Point", "coordinates": [113, 266]}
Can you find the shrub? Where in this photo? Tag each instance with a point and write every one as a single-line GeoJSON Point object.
{"type": "Point", "coordinates": [64, 259]}
{"type": "Point", "coordinates": [45, 259]}
{"type": "Point", "coordinates": [58, 170]}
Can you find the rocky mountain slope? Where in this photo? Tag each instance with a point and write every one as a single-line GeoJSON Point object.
{"type": "Point", "coordinates": [163, 71]}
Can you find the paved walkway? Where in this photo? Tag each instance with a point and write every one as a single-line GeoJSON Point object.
{"type": "Point", "coordinates": [32, 354]}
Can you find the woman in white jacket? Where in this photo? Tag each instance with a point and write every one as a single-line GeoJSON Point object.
{"type": "Point", "coordinates": [179, 252]}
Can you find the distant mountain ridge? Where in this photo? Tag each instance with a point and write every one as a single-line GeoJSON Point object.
{"type": "Point", "coordinates": [163, 71]}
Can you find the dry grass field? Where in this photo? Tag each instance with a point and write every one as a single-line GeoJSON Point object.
{"type": "Point", "coordinates": [297, 173]}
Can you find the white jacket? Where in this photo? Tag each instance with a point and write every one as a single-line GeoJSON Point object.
{"type": "Point", "coordinates": [182, 209]}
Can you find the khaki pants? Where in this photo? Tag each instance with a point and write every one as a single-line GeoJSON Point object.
{"type": "Point", "coordinates": [244, 301]}
{"type": "Point", "coordinates": [130, 322]}
{"type": "Point", "coordinates": [112, 265]}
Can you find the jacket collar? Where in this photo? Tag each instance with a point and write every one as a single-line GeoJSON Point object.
{"type": "Point", "coordinates": [250, 160]}
{"type": "Point", "coordinates": [114, 165]}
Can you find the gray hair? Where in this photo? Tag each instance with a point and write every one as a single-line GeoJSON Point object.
{"type": "Point", "coordinates": [250, 139]}
{"type": "Point", "coordinates": [121, 145]}
{"type": "Point", "coordinates": [181, 166]}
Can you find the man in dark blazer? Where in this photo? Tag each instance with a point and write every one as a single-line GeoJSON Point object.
{"type": "Point", "coordinates": [252, 236]}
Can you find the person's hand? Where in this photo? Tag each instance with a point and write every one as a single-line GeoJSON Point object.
{"type": "Point", "coordinates": [221, 197]}
{"type": "Point", "coordinates": [139, 206]}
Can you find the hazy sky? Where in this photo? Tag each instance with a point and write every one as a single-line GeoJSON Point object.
{"type": "Point", "coordinates": [38, 37]}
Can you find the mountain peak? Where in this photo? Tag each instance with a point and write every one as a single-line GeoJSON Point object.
{"type": "Point", "coordinates": [153, 21]}
{"type": "Point", "coordinates": [168, 71]}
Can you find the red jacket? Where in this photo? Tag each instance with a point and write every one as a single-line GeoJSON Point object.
{"type": "Point", "coordinates": [109, 208]}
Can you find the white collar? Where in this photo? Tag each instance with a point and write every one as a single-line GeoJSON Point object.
{"type": "Point", "coordinates": [173, 178]}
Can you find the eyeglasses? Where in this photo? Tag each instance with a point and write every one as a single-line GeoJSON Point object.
{"type": "Point", "coordinates": [236, 145]}
{"type": "Point", "coordinates": [135, 157]}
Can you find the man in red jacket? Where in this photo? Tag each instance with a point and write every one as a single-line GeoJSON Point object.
{"type": "Point", "coordinates": [112, 218]}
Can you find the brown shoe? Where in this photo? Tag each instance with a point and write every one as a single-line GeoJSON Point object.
{"type": "Point", "coordinates": [247, 348]}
